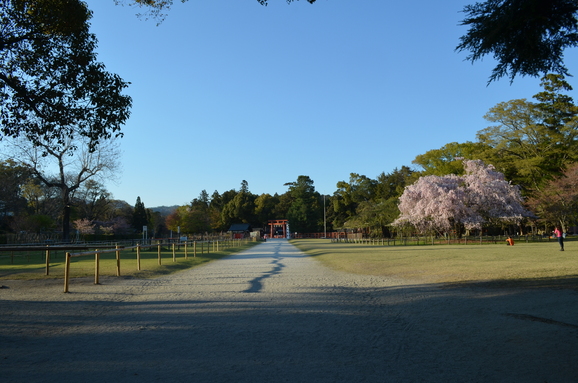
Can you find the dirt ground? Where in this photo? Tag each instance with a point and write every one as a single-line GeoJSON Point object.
{"type": "Point", "coordinates": [272, 314]}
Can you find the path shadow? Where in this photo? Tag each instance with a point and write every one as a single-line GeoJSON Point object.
{"type": "Point", "coordinates": [256, 284]}
{"type": "Point", "coordinates": [415, 333]}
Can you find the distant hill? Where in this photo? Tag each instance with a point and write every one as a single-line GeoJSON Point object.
{"type": "Point", "coordinates": [165, 210]}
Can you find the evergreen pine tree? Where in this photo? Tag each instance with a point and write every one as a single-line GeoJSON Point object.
{"type": "Point", "coordinates": [139, 216]}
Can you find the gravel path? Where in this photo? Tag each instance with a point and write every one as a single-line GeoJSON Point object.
{"type": "Point", "coordinates": [272, 314]}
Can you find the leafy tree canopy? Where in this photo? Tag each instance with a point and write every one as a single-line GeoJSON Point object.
{"type": "Point", "coordinates": [305, 212]}
{"type": "Point", "coordinates": [526, 37]}
{"type": "Point", "coordinates": [165, 4]}
{"type": "Point", "coordinates": [155, 8]}
{"type": "Point", "coordinates": [533, 142]}
{"type": "Point", "coordinates": [51, 86]}
{"type": "Point", "coordinates": [13, 177]}
{"type": "Point", "coordinates": [349, 195]}
{"type": "Point", "coordinates": [557, 202]}
{"type": "Point", "coordinates": [448, 159]}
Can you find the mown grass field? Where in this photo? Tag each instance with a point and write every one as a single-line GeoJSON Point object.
{"type": "Point", "coordinates": [521, 265]}
{"type": "Point", "coordinates": [32, 265]}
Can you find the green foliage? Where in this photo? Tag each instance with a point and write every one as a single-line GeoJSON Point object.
{"type": "Point", "coordinates": [305, 214]}
{"type": "Point", "coordinates": [526, 37]}
{"type": "Point", "coordinates": [241, 208]}
{"type": "Point", "coordinates": [265, 208]}
{"type": "Point", "coordinates": [199, 218]}
{"type": "Point", "coordinates": [140, 216]}
{"type": "Point", "coordinates": [371, 205]}
{"type": "Point", "coordinates": [50, 17]}
{"type": "Point", "coordinates": [349, 195]}
{"type": "Point", "coordinates": [557, 202]}
{"type": "Point", "coordinates": [39, 222]}
{"type": "Point", "coordinates": [282, 206]}
{"type": "Point", "coordinates": [13, 177]}
{"type": "Point", "coordinates": [558, 108]}
{"type": "Point", "coordinates": [52, 87]}
{"type": "Point", "coordinates": [375, 216]}
{"type": "Point", "coordinates": [449, 158]}
{"type": "Point", "coordinates": [533, 143]}
{"type": "Point", "coordinates": [391, 185]}
{"type": "Point", "coordinates": [30, 207]}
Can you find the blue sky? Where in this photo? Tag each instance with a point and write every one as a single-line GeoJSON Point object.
{"type": "Point", "coordinates": [229, 90]}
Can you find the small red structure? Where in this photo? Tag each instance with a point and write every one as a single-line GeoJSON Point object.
{"type": "Point", "coordinates": [277, 223]}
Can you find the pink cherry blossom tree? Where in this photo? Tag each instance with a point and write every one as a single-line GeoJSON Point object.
{"type": "Point", "coordinates": [480, 197]}
{"type": "Point", "coordinates": [84, 226]}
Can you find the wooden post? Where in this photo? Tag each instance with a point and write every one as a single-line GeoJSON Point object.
{"type": "Point", "coordinates": [66, 272]}
{"type": "Point", "coordinates": [174, 255]}
{"type": "Point", "coordinates": [159, 254]}
{"type": "Point", "coordinates": [96, 266]}
{"type": "Point", "coordinates": [47, 260]}
{"type": "Point", "coordinates": [117, 262]}
{"type": "Point", "coordinates": [138, 257]}
{"type": "Point", "coordinates": [195, 249]}
{"type": "Point", "coordinates": [186, 254]}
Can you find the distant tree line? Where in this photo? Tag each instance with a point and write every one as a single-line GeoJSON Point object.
{"type": "Point", "coordinates": [527, 159]}
{"type": "Point", "coordinates": [533, 145]}
{"type": "Point", "coordinates": [29, 206]}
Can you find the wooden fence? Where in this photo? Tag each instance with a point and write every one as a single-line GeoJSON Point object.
{"type": "Point", "coordinates": [433, 240]}
{"type": "Point", "coordinates": [203, 246]}
{"type": "Point", "coordinates": [191, 248]}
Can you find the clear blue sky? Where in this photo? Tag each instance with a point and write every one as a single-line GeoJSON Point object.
{"type": "Point", "coordinates": [229, 90]}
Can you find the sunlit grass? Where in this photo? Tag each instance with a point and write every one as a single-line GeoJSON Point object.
{"type": "Point", "coordinates": [33, 265]}
{"type": "Point", "coordinates": [525, 264]}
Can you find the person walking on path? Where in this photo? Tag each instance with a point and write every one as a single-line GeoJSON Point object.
{"type": "Point", "coordinates": [560, 235]}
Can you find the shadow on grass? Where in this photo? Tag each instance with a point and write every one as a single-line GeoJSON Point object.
{"type": "Point", "coordinates": [567, 282]}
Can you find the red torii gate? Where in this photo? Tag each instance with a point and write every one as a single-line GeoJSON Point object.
{"type": "Point", "coordinates": [276, 223]}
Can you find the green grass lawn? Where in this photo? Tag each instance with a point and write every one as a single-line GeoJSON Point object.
{"type": "Point", "coordinates": [524, 264]}
{"type": "Point", "coordinates": [33, 265]}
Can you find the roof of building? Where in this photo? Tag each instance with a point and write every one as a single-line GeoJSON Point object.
{"type": "Point", "coordinates": [240, 227]}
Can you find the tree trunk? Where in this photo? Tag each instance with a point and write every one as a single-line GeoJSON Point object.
{"type": "Point", "coordinates": [66, 216]}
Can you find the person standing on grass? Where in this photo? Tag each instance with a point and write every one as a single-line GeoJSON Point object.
{"type": "Point", "coordinates": [560, 235]}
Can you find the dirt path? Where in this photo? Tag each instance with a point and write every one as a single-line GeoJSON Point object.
{"type": "Point", "coordinates": [271, 314]}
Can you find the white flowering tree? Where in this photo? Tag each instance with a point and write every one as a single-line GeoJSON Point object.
{"type": "Point", "coordinates": [84, 226]}
{"type": "Point", "coordinates": [444, 203]}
